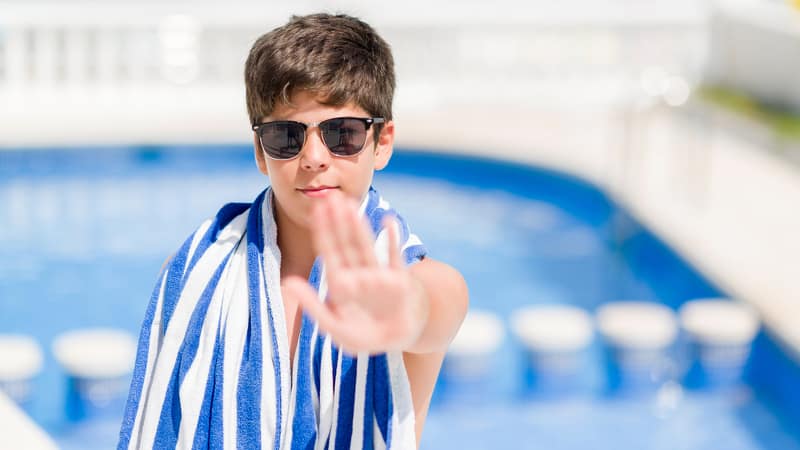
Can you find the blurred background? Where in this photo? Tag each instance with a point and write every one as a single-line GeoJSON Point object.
{"type": "Point", "coordinates": [617, 180]}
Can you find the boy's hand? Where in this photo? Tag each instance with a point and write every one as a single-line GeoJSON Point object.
{"type": "Point", "coordinates": [369, 307]}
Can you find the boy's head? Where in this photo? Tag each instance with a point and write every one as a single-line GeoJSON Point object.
{"type": "Point", "coordinates": [338, 58]}
{"type": "Point", "coordinates": [315, 87]}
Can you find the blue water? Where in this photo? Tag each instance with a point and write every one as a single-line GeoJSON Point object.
{"type": "Point", "coordinates": [85, 233]}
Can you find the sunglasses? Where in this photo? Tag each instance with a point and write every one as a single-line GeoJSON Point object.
{"type": "Point", "coordinates": [344, 136]}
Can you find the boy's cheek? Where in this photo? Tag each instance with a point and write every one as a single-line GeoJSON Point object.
{"type": "Point", "coordinates": [261, 161]}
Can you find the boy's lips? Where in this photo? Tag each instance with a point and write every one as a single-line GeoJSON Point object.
{"type": "Point", "coordinates": [317, 191]}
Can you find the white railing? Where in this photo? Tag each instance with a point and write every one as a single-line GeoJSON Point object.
{"type": "Point", "coordinates": [66, 43]}
{"type": "Point", "coordinates": [121, 43]}
{"type": "Point", "coordinates": [179, 60]}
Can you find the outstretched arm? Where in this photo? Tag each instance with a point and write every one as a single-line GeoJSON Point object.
{"type": "Point", "coordinates": [380, 308]}
{"type": "Point", "coordinates": [373, 307]}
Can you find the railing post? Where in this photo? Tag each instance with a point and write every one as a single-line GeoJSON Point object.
{"type": "Point", "coordinates": [106, 55]}
{"type": "Point", "coordinates": [16, 49]}
{"type": "Point", "coordinates": [76, 52]}
{"type": "Point", "coordinates": [45, 55]}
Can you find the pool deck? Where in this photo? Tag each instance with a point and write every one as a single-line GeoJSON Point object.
{"type": "Point", "coordinates": [18, 431]}
{"type": "Point", "coordinates": [725, 204]}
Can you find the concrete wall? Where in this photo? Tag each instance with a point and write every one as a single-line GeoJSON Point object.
{"type": "Point", "coordinates": [755, 47]}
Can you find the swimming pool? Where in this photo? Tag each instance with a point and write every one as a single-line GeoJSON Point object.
{"type": "Point", "coordinates": [85, 232]}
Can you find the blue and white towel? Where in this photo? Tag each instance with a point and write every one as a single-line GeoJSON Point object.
{"type": "Point", "coordinates": [212, 370]}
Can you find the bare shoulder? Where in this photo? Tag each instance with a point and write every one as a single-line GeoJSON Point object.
{"type": "Point", "coordinates": [441, 278]}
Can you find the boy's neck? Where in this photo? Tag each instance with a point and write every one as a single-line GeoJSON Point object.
{"type": "Point", "coordinates": [297, 251]}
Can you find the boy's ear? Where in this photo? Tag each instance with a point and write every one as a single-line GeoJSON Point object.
{"type": "Point", "coordinates": [260, 158]}
{"type": "Point", "coordinates": [385, 145]}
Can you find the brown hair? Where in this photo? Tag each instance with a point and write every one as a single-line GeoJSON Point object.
{"type": "Point", "coordinates": [338, 57]}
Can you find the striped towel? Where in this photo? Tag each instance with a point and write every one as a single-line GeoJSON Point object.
{"type": "Point", "coordinates": [212, 369]}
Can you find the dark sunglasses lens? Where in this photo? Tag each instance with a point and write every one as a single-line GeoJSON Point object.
{"type": "Point", "coordinates": [282, 140]}
{"type": "Point", "coordinates": [344, 137]}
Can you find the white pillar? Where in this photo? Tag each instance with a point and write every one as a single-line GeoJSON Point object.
{"type": "Point", "coordinates": [45, 55]}
{"type": "Point", "coordinates": [106, 55]}
{"type": "Point", "coordinates": [139, 54]}
{"type": "Point", "coordinates": [15, 63]}
{"type": "Point", "coordinates": [76, 55]}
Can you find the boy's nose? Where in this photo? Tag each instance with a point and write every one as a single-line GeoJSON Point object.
{"type": "Point", "coordinates": [314, 155]}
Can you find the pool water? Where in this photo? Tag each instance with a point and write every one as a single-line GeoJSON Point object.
{"type": "Point", "coordinates": [86, 231]}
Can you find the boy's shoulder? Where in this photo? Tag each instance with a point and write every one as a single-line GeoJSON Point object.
{"type": "Point", "coordinates": [440, 278]}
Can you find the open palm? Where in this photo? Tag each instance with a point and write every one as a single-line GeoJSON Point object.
{"type": "Point", "coordinates": [370, 306]}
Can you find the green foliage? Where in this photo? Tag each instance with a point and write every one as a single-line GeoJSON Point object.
{"type": "Point", "coordinates": [785, 124]}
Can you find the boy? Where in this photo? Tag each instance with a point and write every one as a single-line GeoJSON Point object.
{"type": "Point", "coordinates": [226, 359]}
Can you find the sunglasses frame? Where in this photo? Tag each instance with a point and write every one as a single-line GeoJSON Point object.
{"type": "Point", "coordinates": [368, 122]}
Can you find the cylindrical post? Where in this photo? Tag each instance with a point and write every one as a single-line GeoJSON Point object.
{"type": "Point", "coordinates": [45, 42]}
{"type": "Point", "coordinates": [16, 49]}
{"type": "Point", "coordinates": [106, 54]}
{"type": "Point", "coordinates": [76, 52]}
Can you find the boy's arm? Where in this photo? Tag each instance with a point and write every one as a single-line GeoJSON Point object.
{"type": "Point", "coordinates": [447, 296]}
{"type": "Point", "coordinates": [379, 308]}
{"type": "Point", "coordinates": [447, 301]}
{"type": "Point", "coordinates": [372, 307]}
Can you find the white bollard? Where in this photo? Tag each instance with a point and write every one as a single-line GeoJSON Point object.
{"type": "Point", "coordinates": [639, 338]}
{"type": "Point", "coordinates": [20, 361]}
{"type": "Point", "coordinates": [720, 335]}
{"type": "Point", "coordinates": [98, 363]}
{"type": "Point", "coordinates": [468, 367]}
{"type": "Point", "coordinates": [555, 339]}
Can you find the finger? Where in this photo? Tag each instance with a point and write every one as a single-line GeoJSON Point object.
{"type": "Point", "coordinates": [340, 212]}
{"type": "Point", "coordinates": [300, 291]}
{"type": "Point", "coordinates": [297, 289]}
{"type": "Point", "coordinates": [395, 259]}
{"type": "Point", "coordinates": [323, 239]}
{"type": "Point", "coordinates": [363, 239]}
{"type": "Point", "coordinates": [322, 313]}
{"type": "Point", "coordinates": [330, 233]}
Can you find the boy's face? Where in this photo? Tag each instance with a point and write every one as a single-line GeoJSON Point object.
{"type": "Point", "coordinates": [298, 183]}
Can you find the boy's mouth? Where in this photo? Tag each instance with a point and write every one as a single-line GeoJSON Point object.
{"type": "Point", "coordinates": [317, 191]}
